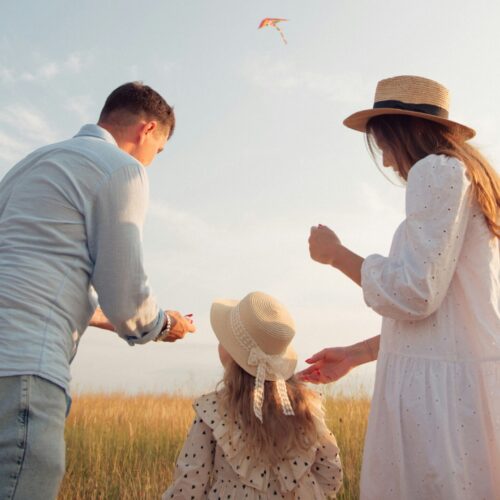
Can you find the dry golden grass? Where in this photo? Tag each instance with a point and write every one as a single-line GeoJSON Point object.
{"type": "Point", "coordinates": [122, 447]}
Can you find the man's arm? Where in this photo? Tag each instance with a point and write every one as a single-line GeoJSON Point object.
{"type": "Point", "coordinates": [99, 320]}
{"type": "Point", "coordinates": [115, 226]}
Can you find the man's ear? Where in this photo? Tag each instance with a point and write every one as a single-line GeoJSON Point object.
{"type": "Point", "coordinates": [146, 129]}
{"type": "Point", "coordinates": [151, 127]}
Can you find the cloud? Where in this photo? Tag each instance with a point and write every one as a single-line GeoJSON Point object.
{"type": "Point", "coordinates": [287, 76]}
{"type": "Point", "coordinates": [49, 71]}
{"type": "Point", "coordinates": [27, 123]}
{"type": "Point", "coordinates": [7, 75]}
{"type": "Point", "coordinates": [11, 149]}
{"type": "Point", "coordinates": [73, 64]}
{"type": "Point", "coordinates": [184, 224]}
{"type": "Point", "coordinates": [21, 130]}
{"type": "Point", "coordinates": [211, 251]}
{"type": "Point", "coordinates": [82, 106]}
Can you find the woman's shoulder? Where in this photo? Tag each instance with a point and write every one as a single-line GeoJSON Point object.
{"type": "Point", "coordinates": [439, 171]}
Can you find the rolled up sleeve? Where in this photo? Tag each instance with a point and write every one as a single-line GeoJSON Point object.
{"type": "Point", "coordinates": [115, 245]}
{"type": "Point", "coordinates": [412, 282]}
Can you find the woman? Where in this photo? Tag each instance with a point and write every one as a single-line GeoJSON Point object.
{"type": "Point", "coordinates": [434, 426]}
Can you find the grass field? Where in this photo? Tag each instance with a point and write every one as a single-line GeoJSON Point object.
{"type": "Point", "coordinates": [122, 447]}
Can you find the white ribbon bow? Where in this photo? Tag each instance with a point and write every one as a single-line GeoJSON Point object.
{"type": "Point", "coordinates": [266, 363]}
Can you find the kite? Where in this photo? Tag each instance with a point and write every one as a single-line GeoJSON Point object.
{"type": "Point", "coordinates": [273, 23]}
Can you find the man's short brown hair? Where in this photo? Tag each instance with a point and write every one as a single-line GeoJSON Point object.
{"type": "Point", "coordinates": [137, 99]}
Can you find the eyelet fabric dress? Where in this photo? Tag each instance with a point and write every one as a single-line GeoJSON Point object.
{"type": "Point", "coordinates": [214, 464]}
{"type": "Point", "coordinates": [434, 425]}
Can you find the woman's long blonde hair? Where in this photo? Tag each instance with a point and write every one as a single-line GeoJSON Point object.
{"type": "Point", "coordinates": [278, 436]}
{"type": "Point", "coordinates": [411, 138]}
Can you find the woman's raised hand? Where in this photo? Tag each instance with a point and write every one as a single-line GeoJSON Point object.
{"type": "Point", "coordinates": [328, 365]}
{"type": "Point", "coordinates": [324, 244]}
{"type": "Point", "coordinates": [325, 247]}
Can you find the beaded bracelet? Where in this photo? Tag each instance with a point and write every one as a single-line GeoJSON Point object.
{"type": "Point", "coordinates": [165, 331]}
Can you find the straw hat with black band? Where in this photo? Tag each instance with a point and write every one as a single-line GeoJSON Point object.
{"type": "Point", "coordinates": [412, 96]}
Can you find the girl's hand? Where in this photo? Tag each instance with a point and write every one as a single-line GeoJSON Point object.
{"type": "Point", "coordinates": [324, 245]}
{"type": "Point", "coordinates": [329, 365]}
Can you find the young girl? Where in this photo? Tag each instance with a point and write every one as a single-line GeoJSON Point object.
{"type": "Point", "coordinates": [434, 426]}
{"type": "Point", "coordinates": [262, 435]}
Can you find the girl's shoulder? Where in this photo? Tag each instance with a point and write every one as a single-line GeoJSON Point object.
{"type": "Point", "coordinates": [207, 408]}
{"type": "Point", "coordinates": [251, 469]}
{"type": "Point", "coordinates": [318, 413]}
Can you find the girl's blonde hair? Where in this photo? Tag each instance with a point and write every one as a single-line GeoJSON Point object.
{"type": "Point", "coordinates": [278, 436]}
{"type": "Point", "coordinates": [410, 139]}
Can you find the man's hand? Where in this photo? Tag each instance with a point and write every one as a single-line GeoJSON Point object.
{"type": "Point", "coordinates": [180, 325]}
{"type": "Point", "coordinates": [99, 320]}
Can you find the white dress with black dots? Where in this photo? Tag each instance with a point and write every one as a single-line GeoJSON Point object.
{"type": "Point", "coordinates": [214, 464]}
{"type": "Point", "coordinates": [434, 426]}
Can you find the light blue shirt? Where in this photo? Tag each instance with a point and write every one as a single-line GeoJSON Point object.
{"type": "Point", "coordinates": [71, 220]}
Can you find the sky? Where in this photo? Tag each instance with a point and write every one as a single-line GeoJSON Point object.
{"type": "Point", "coordinates": [259, 153]}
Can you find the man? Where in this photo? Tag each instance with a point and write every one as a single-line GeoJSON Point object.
{"type": "Point", "coordinates": [71, 219]}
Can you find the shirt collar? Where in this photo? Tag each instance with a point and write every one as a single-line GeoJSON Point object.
{"type": "Point", "coordinates": [94, 130]}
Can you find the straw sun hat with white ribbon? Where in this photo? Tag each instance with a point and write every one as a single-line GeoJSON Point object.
{"type": "Point", "coordinates": [257, 333]}
{"type": "Point", "coordinates": [408, 95]}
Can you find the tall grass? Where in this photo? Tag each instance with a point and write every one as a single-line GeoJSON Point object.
{"type": "Point", "coordinates": [124, 448]}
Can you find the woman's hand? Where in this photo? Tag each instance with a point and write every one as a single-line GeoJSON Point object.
{"type": "Point", "coordinates": [324, 245]}
{"type": "Point", "coordinates": [328, 365]}
{"type": "Point", "coordinates": [331, 364]}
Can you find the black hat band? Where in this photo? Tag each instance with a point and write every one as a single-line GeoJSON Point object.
{"type": "Point", "coordinates": [428, 109]}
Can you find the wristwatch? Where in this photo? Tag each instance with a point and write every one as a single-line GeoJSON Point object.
{"type": "Point", "coordinates": [165, 331]}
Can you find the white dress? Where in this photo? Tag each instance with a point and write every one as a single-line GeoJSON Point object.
{"type": "Point", "coordinates": [434, 426]}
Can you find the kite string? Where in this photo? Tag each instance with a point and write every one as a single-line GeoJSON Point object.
{"type": "Point", "coordinates": [281, 34]}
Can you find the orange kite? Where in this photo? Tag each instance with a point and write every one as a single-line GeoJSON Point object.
{"type": "Point", "coordinates": [273, 23]}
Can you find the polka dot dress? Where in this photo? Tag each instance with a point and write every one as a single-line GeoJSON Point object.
{"type": "Point", "coordinates": [214, 464]}
{"type": "Point", "coordinates": [434, 426]}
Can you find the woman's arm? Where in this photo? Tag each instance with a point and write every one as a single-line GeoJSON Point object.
{"type": "Point", "coordinates": [411, 283]}
{"type": "Point", "coordinates": [333, 363]}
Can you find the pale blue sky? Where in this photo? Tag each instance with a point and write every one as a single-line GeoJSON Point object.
{"type": "Point", "coordinates": [259, 154]}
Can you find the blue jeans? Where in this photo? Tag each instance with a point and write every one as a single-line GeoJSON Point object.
{"type": "Point", "coordinates": [32, 416]}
